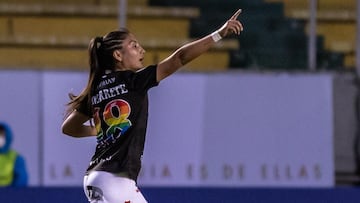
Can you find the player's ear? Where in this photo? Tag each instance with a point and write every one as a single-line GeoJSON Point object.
{"type": "Point", "coordinates": [117, 55]}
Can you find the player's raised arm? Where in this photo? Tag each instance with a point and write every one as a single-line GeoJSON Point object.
{"type": "Point", "coordinates": [190, 51]}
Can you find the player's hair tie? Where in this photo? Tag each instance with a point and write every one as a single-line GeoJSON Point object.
{"type": "Point", "coordinates": [99, 41]}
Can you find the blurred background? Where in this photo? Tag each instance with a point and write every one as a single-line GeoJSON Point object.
{"type": "Point", "coordinates": [271, 115]}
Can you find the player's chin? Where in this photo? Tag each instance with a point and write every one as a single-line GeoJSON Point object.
{"type": "Point", "coordinates": [141, 65]}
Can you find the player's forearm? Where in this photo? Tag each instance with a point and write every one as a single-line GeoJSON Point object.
{"type": "Point", "coordinates": [74, 125]}
{"type": "Point", "coordinates": [81, 131]}
{"type": "Point", "coordinates": [183, 55]}
{"type": "Point", "coordinates": [194, 49]}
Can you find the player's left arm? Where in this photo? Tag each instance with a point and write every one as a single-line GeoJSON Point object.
{"type": "Point", "coordinates": [74, 125]}
{"type": "Point", "coordinates": [192, 50]}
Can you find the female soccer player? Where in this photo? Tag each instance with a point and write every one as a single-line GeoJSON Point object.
{"type": "Point", "coordinates": [115, 99]}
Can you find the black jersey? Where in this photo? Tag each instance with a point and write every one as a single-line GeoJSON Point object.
{"type": "Point", "coordinates": [120, 113]}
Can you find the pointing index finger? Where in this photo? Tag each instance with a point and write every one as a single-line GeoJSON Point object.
{"type": "Point", "coordinates": [236, 14]}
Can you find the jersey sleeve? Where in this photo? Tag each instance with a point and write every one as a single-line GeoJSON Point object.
{"type": "Point", "coordinates": [145, 79]}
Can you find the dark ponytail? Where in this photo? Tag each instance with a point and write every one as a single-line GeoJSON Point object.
{"type": "Point", "coordinates": [100, 60]}
{"type": "Point", "coordinates": [94, 46]}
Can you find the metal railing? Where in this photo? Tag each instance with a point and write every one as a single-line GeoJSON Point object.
{"type": "Point", "coordinates": [312, 62]}
{"type": "Point", "coordinates": [122, 15]}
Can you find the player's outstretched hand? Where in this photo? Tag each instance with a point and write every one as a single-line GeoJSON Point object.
{"type": "Point", "coordinates": [232, 26]}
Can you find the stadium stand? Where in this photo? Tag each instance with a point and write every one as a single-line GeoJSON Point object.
{"type": "Point", "coordinates": [55, 34]}
{"type": "Point", "coordinates": [336, 23]}
{"type": "Point", "coordinates": [273, 38]}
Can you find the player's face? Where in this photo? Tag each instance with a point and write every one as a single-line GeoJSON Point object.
{"type": "Point", "coordinates": [132, 54]}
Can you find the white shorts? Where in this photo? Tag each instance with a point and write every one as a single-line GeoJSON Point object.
{"type": "Point", "coordinates": [104, 187]}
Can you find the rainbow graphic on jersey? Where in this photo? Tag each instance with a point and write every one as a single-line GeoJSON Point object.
{"type": "Point", "coordinates": [115, 115]}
